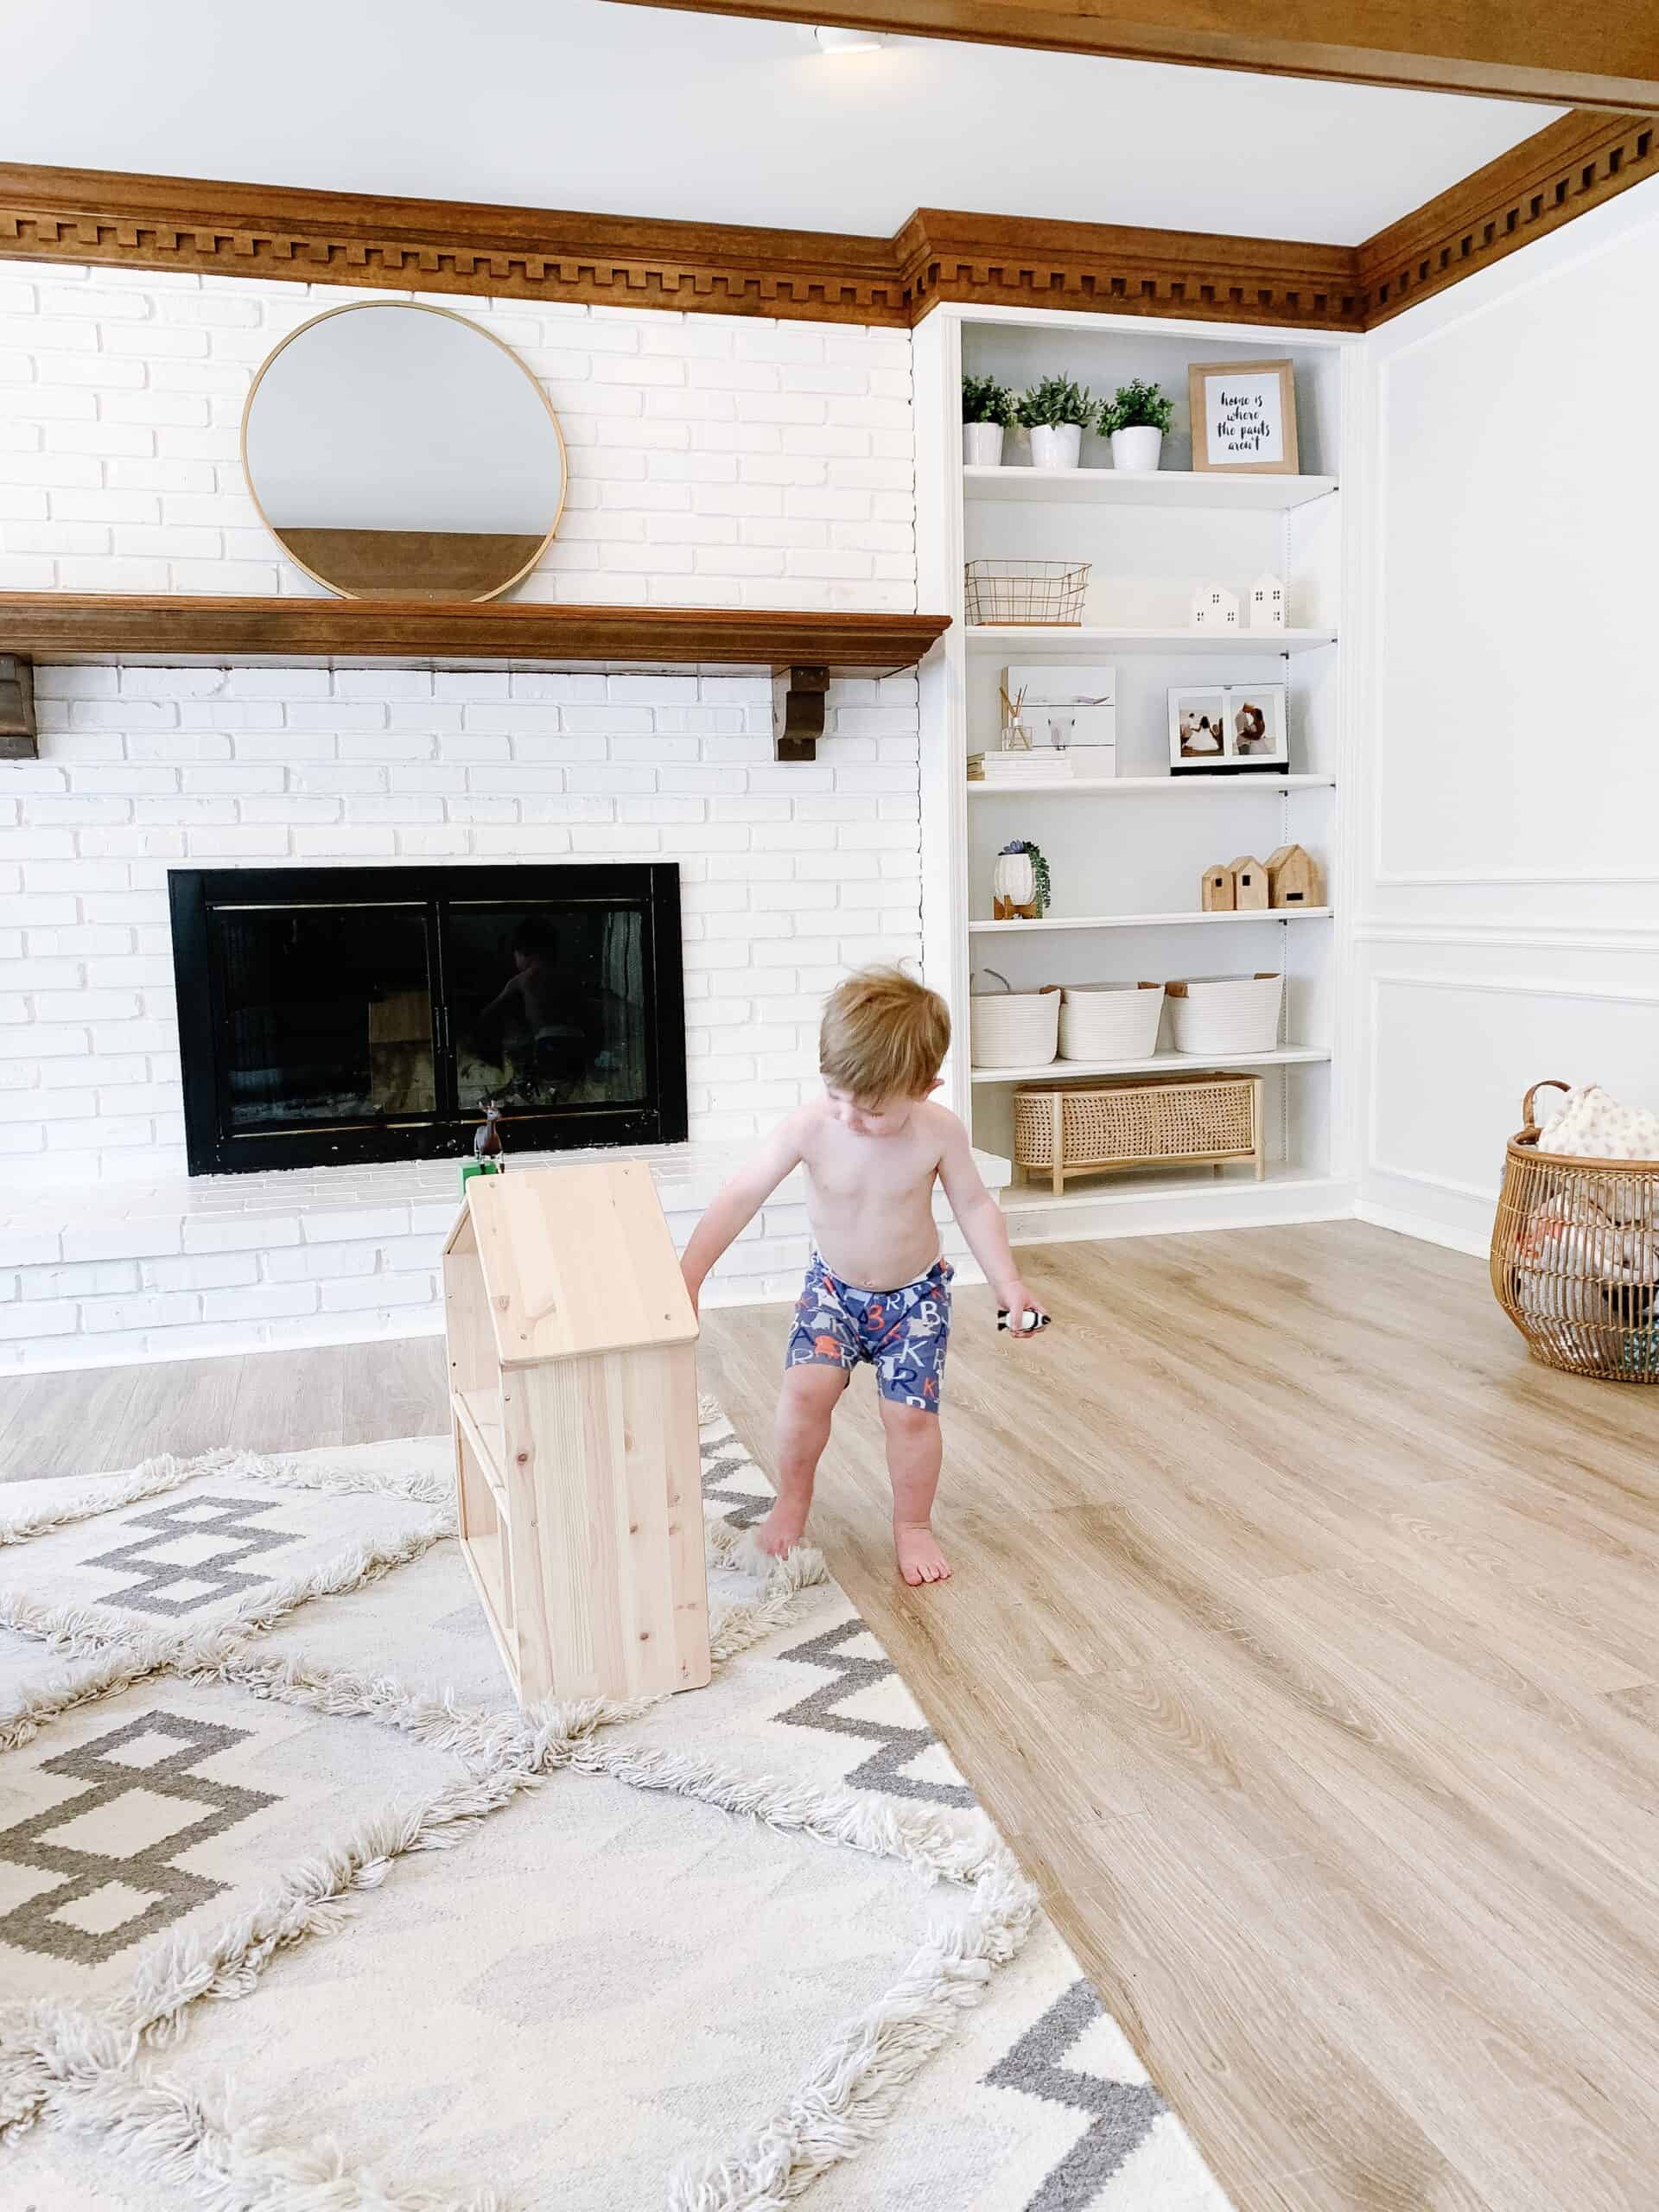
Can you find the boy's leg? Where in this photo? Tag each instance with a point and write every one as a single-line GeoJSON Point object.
{"type": "Point", "coordinates": [915, 1451]}
{"type": "Point", "coordinates": [805, 1406]}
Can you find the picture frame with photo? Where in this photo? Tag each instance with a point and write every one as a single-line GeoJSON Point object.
{"type": "Point", "coordinates": [1198, 727]}
{"type": "Point", "coordinates": [1244, 417]}
{"type": "Point", "coordinates": [1227, 729]}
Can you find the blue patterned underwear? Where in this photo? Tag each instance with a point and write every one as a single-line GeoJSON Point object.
{"type": "Point", "coordinates": [902, 1334]}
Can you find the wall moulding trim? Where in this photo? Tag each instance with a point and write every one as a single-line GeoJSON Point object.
{"type": "Point", "coordinates": [275, 233]}
{"type": "Point", "coordinates": [1513, 986]}
{"type": "Point", "coordinates": [1561, 172]}
{"type": "Point", "coordinates": [1536, 937]}
{"type": "Point", "coordinates": [1116, 268]}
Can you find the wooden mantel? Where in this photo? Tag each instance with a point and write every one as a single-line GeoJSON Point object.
{"type": "Point", "coordinates": [801, 651]}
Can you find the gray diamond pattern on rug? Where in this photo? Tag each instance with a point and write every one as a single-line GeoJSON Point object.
{"type": "Point", "coordinates": [1125, 2112]}
{"type": "Point", "coordinates": [223, 1538]}
{"type": "Point", "coordinates": [142, 1889]}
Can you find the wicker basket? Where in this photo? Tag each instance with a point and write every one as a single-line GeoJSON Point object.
{"type": "Point", "coordinates": [1142, 1121]}
{"type": "Point", "coordinates": [1575, 1256]}
{"type": "Point", "coordinates": [1026, 592]}
{"type": "Point", "coordinates": [1226, 1014]}
{"type": "Point", "coordinates": [1109, 1021]}
{"type": "Point", "coordinates": [1012, 1029]}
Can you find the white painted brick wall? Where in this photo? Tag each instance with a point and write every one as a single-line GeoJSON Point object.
{"type": "Point", "coordinates": [788, 875]}
{"type": "Point", "coordinates": [713, 460]}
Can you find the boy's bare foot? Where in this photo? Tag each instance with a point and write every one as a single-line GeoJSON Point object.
{"type": "Point", "coordinates": [783, 1528]}
{"type": "Point", "coordinates": [920, 1559]}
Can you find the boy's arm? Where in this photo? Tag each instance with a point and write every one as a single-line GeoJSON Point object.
{"type": "Point", "coordinates": [981, 1221]}
{"type": "Point", "coordinates": [738, 1201]}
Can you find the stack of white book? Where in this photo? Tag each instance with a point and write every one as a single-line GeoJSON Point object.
{"type": "Point", "coordinates": [1042, 764]}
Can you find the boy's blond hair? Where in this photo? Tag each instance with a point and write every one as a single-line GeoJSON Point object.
{"type": "Point", "coordinates": [883, 1036]}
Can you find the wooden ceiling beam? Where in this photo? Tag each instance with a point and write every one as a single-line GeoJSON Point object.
{"type": "Point", "coordinates": [1602, 54]}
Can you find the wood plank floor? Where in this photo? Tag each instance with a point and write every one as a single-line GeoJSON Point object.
{"type": "Point", "coordinates": [1303, 1641]}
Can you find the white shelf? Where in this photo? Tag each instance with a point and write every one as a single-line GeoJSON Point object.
{"type": "Point", "coordinates": [1153, 921]}
{"type": "Point", "coordinates": [1146, 787]}
{"type": "Point", "coordinates": [1279, 1055]}
{"type": "Point", "coordinates": [1283, 1178]}
{"type": "Point", "coordinates": [1174, 487]}
{"type": "Point", "coordinates": [1057, 636]}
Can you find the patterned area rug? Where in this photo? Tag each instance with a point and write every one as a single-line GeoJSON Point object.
{"type": "Point", "coordinates": [298, 1913]}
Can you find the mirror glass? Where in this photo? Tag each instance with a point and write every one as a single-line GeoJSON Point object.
{"type": "Point", "coordinates": [400, 452]}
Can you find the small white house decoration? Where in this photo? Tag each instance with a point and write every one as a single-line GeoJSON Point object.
{"type": "Point", "coordinates": [1267, 603]}
{"type": "Point", "coordinates": [1215, 607]}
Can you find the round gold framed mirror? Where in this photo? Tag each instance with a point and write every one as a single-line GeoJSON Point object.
{"type": "Point", "coordinates": [398, 451]}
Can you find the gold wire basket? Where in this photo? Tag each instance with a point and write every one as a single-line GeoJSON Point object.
{"type": "Point", "coordinates": [1048, 592]}
{"type": "Point", "coordinates": [1575, 1256]}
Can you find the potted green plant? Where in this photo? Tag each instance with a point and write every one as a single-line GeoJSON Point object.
{"type": "Point", "coordinates": [1057, 412]}
{"type": "Point", "coordinates": [987, 411]}
{"type": "Point", "coordinates": [1136, 418]}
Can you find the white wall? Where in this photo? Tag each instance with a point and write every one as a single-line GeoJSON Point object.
{"type": "Point", "coordinates": [1509, 912]}
{"type": "Point", "coordinates": [713, 460]}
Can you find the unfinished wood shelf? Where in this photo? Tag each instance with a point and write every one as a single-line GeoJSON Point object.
{"type": "Point", "coordinates": [574, 1403]}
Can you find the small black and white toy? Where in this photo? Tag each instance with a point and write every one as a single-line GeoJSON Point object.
{"type": "Point", "coordinates": [1027, 1324]}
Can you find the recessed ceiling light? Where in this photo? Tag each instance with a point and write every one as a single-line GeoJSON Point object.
{"type": "Point", "coordinates": [844, 38]}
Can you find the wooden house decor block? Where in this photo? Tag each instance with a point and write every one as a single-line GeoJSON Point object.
{"type": "Point", "coordinates": [574, 1395]}
{"type": "Point", "coordinates": [1294, 878]}
{"type": "Point", "coordinates": [1251, 889]}
{"type": "Point", "coordinates": [1217, 893]}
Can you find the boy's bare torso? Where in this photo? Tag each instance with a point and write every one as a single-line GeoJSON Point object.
{"type": "Point", "coordinates": [870, 1198]}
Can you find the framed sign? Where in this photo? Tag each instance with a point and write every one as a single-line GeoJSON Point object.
{"type": "Point", "coordinates": [1243, 417]}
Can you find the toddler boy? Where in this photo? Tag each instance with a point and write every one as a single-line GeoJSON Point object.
{"type": "Point", "coordinates": [877, 1287]}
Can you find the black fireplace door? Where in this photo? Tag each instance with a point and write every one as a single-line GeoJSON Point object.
{"type": "Point", "coordinates": [331, 1015]}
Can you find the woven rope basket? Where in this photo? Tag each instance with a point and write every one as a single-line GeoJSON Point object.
{"type": "Point", "coordinates": [1575, 1256]}
{"type": "Point", "coordinates": [1147, 1122]}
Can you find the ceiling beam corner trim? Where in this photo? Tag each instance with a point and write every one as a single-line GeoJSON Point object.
{"type": "Point", "coordinates": [1560, 173]}
{"type": "Point", "coordinates": [1607, 56]}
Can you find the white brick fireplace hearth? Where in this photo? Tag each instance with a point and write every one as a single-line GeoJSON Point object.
{"type": "Point", "coordinates": [713, 460]}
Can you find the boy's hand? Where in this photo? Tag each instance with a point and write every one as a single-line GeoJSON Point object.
{"type": "Point", "coordinates": [1018, 1302]}
{"type": "Point", "coordinates": [692, 1287]}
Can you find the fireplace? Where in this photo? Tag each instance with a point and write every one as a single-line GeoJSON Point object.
{"type": "Point", "coordinates": [332, 1015]}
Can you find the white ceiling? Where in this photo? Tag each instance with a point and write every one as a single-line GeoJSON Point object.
{"type": "Point", "coordinates": [581, 104]}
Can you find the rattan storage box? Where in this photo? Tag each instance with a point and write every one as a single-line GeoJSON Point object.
{"type": "Point", "coordinates": [1064, 1129]}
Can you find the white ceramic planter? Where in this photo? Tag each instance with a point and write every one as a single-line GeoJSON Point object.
{"type": "Point", "coordinates": [1134, 453]}
{"type": "Point", "coordinates": [1015, 878]}
{"type": "Point", "coordinates": [981, 445]}
{"type": "Point", "coordinates": [1056, 445]}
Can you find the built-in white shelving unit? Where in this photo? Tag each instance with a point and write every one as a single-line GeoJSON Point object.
{"type": "Point", "coordinates": [1126, 879]}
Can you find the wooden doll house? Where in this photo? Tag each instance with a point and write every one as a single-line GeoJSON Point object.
{"type": "Point", "coordinates": [574, 1394]}
{"type": "Point", "coordinates": [1251, 886]}
{"type": "Point", "coordinates": [1294, 878]}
